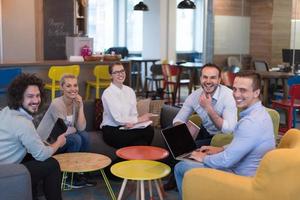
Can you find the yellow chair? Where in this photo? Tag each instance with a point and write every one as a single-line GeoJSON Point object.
{"type": "Point", "coordinates": [277, 177]}
{"type": "Point", "coordinates": [103, 80]}
{"type": "Point", "coordinates": [56, 72]}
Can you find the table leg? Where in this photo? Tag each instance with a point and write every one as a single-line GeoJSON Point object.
{"type": "Point", "coordinates": [63, 181]}
{"type": "Point", "coordinates": [122, 189]}
{"type": "Point", "coordinates": [111, 192]}
{"type": "Point", "coordinates": [285, 89]}
{"type": "Point", "coordinates": [150, 190]}
{"type": "Point", "coordinates": [266, 94]}
{"type": "Point", "coordinates": [161, 186]}
{"type": "Point", "coordinates": [158, 190]}
{"type": "Point", "coordinates": [137, 196]}
{"type": "Point", "coordinates": [142, 190]}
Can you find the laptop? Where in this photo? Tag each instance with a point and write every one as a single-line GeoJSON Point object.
{"type": "Point", "coordinates": [179, 141]}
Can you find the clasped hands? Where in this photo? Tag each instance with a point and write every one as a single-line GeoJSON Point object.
{"type": "Point", "coordinates": [200, 153]}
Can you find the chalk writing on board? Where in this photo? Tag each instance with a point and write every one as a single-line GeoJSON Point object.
{"type": "Point", "coordinates": [56, 28]}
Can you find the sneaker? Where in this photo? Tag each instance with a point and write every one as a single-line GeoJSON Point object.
{"type": "Point", "coordinates": [77, 182]}
{"type": "Point", "coordinates": [86, 179]}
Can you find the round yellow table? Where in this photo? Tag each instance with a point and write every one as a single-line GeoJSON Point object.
{"type": "Point", "coordinates": [83, 162]}
{"type": "Point", "coordinates": [140, 170]}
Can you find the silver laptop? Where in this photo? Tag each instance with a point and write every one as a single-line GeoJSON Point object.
{"type": "Point", "coordinates": [179, 141]}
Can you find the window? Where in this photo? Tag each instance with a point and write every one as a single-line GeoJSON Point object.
{"type": "Point", "coordinates": [189, 26]}
{"type": "Point", "coordinates": [134, 24]}
{"type": "Point", "coordinates": [101, 23]}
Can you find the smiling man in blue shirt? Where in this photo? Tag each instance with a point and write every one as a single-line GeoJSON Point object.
{"type": "Point", "coordinates": [253, 135]}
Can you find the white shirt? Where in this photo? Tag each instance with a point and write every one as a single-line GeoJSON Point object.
{"type": "Point", "coordinates": [223, 103]}
{"type": "Point", "coordinates": [119, 106]}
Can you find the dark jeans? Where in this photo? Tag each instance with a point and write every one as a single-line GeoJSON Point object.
{"type": "Point", "coordinates": [76, 142]}
{"type": "Point", "coordinates": [117, 138]}
{"type": "Point", "coordinates": [48, 172]}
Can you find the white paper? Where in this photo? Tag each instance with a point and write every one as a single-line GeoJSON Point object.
{"type": "Point", "coordinates": [140, 125]}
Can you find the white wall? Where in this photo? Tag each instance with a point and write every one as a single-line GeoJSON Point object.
{"type": "Point", "coordinates": [232, 35]}
{"type": "Point", "coordinates": [295, 34]}
{"type": "Point", "coordinates": [18, 30]}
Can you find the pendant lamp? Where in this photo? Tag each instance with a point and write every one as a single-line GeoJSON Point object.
{"type": "Point", "coordinates": [141, 7]}
{"type": "Point", "coordinates": [186, 4]}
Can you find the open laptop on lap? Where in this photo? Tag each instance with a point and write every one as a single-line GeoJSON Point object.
{"type": "Point", "coordinates": [179, 141]}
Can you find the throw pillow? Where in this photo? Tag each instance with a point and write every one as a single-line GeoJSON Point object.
{"type": "Point", "coordinates": [143, 106]}
{"type": "Point", "coordinates": [98, 113]}
{"type": "Point", "coordinates": [155, 108]}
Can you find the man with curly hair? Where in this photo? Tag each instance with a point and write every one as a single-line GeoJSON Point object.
{"type": "Point", "coordinates": [20, 143]}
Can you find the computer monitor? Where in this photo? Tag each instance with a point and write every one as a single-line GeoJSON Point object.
{"type": "Point", "coordinates": [287, 56]}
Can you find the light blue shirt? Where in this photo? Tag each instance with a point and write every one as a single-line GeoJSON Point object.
{"type": "Point", "coordinates": [18, 136]}
{"type": "Point", "coordinates": [253, 138]}
{"type": "Point", "coordinates": [223, 103]}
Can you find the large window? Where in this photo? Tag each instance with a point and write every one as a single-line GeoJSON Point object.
{"type": "Point", "coordinates": [101, 23]}
{"type": "Point", "coordinates": [134, 24]}
{"type": "Point", "coordinates": [189, 28]}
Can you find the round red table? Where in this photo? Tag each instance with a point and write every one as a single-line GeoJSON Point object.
{"type": "Point", "coordinates": [142, 153]}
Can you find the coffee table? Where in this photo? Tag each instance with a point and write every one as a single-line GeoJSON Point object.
{"type": "Point", "coordinates": [144, 153]}
{"type": "Point", "coordinates": [140, 170]}
{"type": "Point", "coordinates": [83, 162]}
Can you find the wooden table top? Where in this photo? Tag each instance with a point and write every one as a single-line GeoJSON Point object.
{"type": "Point", "coordinates": [82, 162]}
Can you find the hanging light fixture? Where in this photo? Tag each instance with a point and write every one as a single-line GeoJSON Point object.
{"type": "Point", "coordinates": [141, 7]}
{"type": "Point", "coordinates": [186, 4]}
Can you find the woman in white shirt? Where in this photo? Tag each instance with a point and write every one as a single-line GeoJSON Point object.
{"type": "Point", "coordinates": [120, 113]}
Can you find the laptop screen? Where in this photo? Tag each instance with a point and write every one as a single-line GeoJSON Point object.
{"type": "Point", "coordinates": [179, 140]}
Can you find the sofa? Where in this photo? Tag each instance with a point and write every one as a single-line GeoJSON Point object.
{"type": "Point", "coordinates": [15, 180]}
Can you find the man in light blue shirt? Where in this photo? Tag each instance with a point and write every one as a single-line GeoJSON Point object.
{"type": "Point", "coordinates": [213, 103]}
{"type": "Point", "coordinates": [253, 135]}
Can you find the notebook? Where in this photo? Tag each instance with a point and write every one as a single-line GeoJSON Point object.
{"type": "Point", "coordinates": [59, 128]}
{"type": "Point", "coordinates": [179, 141]}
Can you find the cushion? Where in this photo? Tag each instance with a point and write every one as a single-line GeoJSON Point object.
{"type": "Point", "coordinates": [143, 106]}
{"type": "Point", "coordinates": [98, 113]}
{"type": "Point", "coordinates": [155, 108]}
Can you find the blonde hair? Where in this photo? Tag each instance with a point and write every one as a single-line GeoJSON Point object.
{"type": "Point", "coordinates": [64, 77]}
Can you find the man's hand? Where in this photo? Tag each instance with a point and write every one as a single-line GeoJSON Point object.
{"type": "Point", "coordinates": [210, 150]}
{"type": "Point", "coordinates": [61, 140]}
{"type": "Point", "coordinates": [145, 117]}
{"type": "Point", "coordinates": [205, 101]}
{"type": "Point", "coordinates": [198, 155]}
{"type": "Point", "coordinates": [128, 125]}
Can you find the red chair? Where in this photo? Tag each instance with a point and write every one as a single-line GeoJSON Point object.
{"type": "Point", "coordinates": [289, 105]}
{"type": "Point", "coordinates": [227, 78]}
{"type": "Point", "coordinates": [170, 75]}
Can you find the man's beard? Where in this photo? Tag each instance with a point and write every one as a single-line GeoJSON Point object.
{"type": "Point", "coordinates": [29, 112]}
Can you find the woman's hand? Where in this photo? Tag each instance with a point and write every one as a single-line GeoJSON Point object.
{"type": "Point", "coordinates": [145, 117]}
{"type": "Point", "coordinates": [78, 100]}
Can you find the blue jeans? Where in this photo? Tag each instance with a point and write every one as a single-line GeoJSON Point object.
{"type": "Point", "coordinates": [181, 168]}
{"type": "Point", "coordinates": [76, 142]}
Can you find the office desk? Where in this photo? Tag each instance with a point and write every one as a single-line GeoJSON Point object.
{"type": "Point", "coordinates": [139, 61]}
{"type": "Point", "coordinates": [267, 76]}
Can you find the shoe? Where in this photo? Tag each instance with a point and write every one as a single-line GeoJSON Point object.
{"type": "Point", "coordinates": [171, 184]}
{"type": "Point", "coordinates": [87, 180]}
{"type": "Point", "coordinates": [77, 182]}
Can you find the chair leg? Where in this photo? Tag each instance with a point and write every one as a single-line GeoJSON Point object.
{"type": "Point", "coordinates": [97, 92]}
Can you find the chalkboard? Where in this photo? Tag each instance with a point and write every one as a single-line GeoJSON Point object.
{"type": "Point", "coordinates": [58, 23]}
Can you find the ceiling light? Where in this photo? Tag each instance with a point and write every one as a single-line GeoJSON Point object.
{"type": "Point", "coordinates": [186, 4]}
{"type": "Point", "coordinates": [141, 7]}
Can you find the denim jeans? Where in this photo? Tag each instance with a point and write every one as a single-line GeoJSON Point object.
{"type": "Point", "coordinates": [181, 168]}
{"type": "Point", "coordinates": [76, 142]}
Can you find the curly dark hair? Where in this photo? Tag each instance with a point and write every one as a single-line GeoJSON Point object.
{"type": "Point", "coordinates": [16, 89]}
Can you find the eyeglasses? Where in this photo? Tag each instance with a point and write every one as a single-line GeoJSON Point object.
{"type": "Point", "coordinates": [119, 72]}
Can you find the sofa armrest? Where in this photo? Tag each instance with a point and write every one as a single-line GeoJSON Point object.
{"type": "Point", "coordinates": [89, 112]}
{"type": "Point", "coordinates": [15, 182]}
